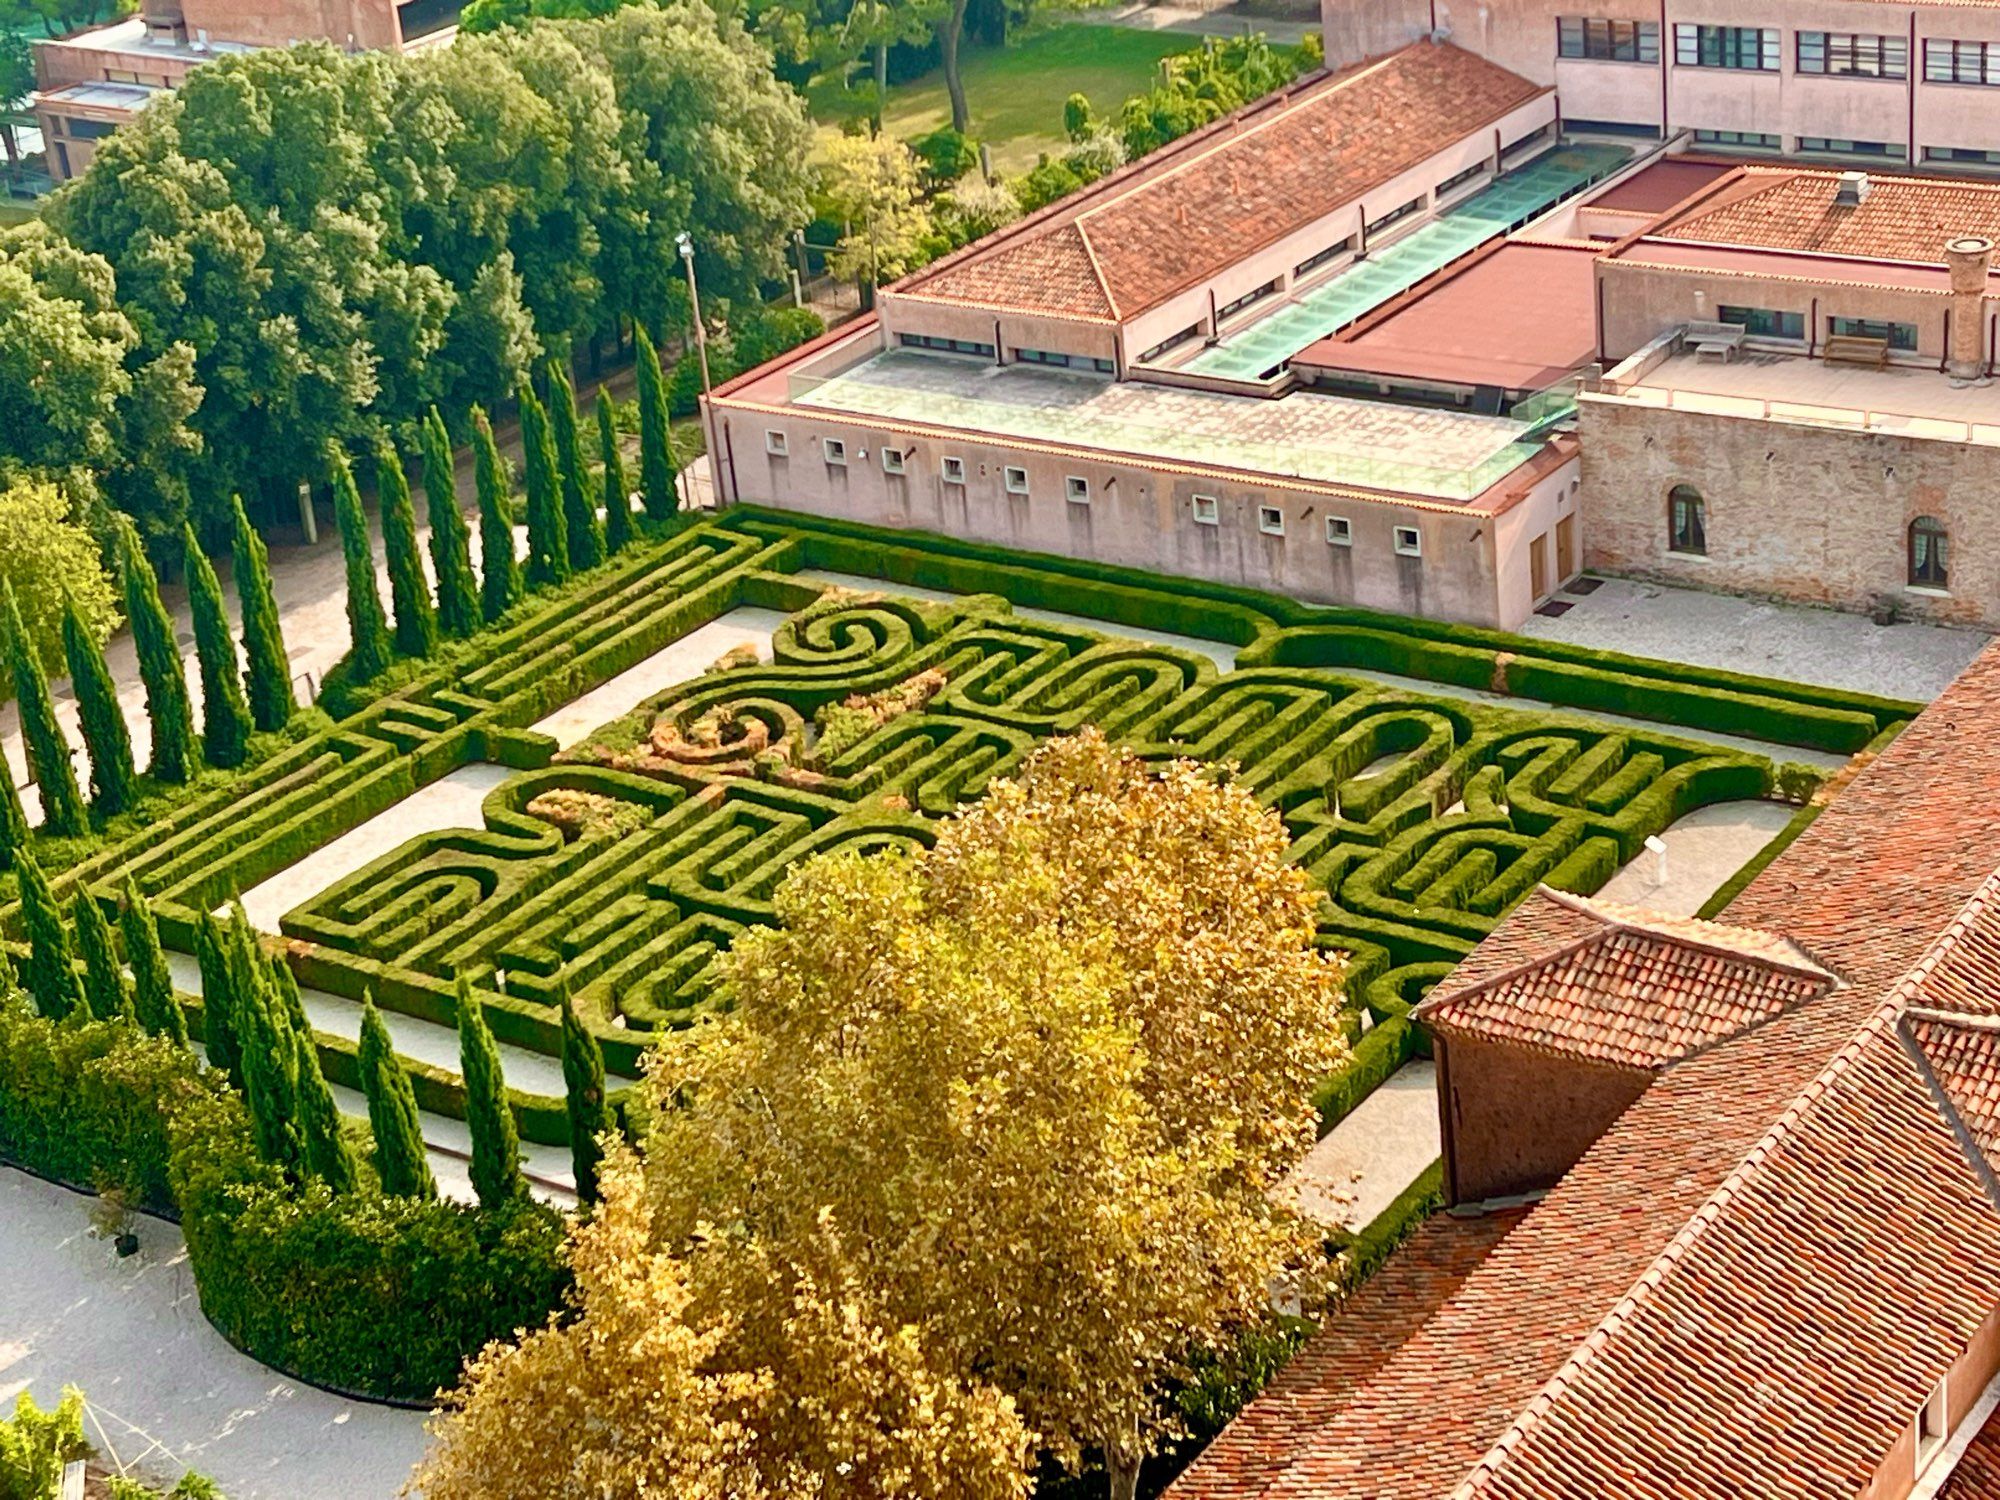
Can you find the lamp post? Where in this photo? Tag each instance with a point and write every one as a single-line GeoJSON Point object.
{"type": "Point", "coordinates": [685, 242]}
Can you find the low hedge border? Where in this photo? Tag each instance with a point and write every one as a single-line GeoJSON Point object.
{"type": "Point", "coordinates": [1365, 1251]}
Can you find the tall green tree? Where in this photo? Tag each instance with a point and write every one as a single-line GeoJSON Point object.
{"type": "Point", "coordinates": [221, 1024]}
{"type": "Point", "coordinates": [656, 449]}
{"type": "Point", "coordinates": [48, 750]}
{"type": "Point", "coordinates": [324, 1145]}
{"type": "Point", "coordinates": [581, 528]}
{"type": "Point", "coordinates": [496, 1146]}
{"type": "Point", "coordinates": [400, 1159]}
{"type": "Point", "coordinates": [366, 624]}
{"type": "Point", "coordinates": [617, 490]}
{"type": "Point", "coordinates": [153, 999]}
{"type": "Point", "coordinates": [105, 734]}
{"type": "Point", "coordinates": [589, 1110]}
{"type": "Point", "coordinates": [103, 976]}
{"type": "Point", "coordinates": [167, 707]}
{"type": "Point", "coordinates": [409, 594]}
{"type": "Point", "coordinates": [14, 833]}
{"type": "Point", "coordinates": [451, 559]}
{"type": "Point", "coordinates": [225, 717]}
{"type": "Point", "coordinates": [270, 1075]}
{"type": "Point", "coordinates": [51, 972]}
{"type": "Point", "coordinates": [499, 568]}
{"type": "Point", "coordinates": [548, 541]}
{"type": "Point", "coordinates": [267, 670]}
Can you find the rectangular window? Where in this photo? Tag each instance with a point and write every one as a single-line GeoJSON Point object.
{"type": "Point", "coordinates": [1256, 295]}
{"type": "Point", "coordinates": [1687, 524]}
{"type": "Point", "coordinates": [944, 346]}
{"type": "Point", "coordinates": [1745, 48]}
{"type": "Point", "coordinates": [87, 130]}
{"type": "Point", "coordinates": [1339, 532]}
{"type": "Point", "coordinates": [1270, 520]}
{"type": "Point", "coordinates": [1765, 322]}
{"type": "Point", "coordinates": [1077, 489]}
{"type": "Point", "coordinates": [1608, 41]}
{"type": "Point", "coordinates": [1832, 146]}
{"type": "Point", "coordinates": [1331, 252]}
{"type": "Point", "coordinates": [776, 443]}
{"type": "Point", "coordinates": [1409, 542]}
{"type": "Point", "coordinates": [1839, 55]}
{"type": "Point", "coordinates": [1749, 140]}
{"type": "Point", "coordinates": [1016, 479]}
{"type": "Point", "coordinates": [1063, 361]}
{"type": "Point", "coordinates": [1207, 512]}
{"type": "Point", "coordinates": [953, 470]}
{"type": "Point", "coordinates": [1460, 179]}
{"type": "Point", "coordinates": [1964, 156]}
{"type": "Point", "coordinates": [1415, 205]}
{"type": "Point", "coordinates": [835, 451]}
{"type": "Point", "coordinates": [894, 460]}
{"type": "Point", "coordinates": [1167, 345]}
{"type": "Point", "coordinates": [1901, 336]}
{"type": "Point", "coordinates": [1947, 61]}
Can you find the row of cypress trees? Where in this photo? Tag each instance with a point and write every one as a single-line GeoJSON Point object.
{"type": "Point", "coordinates": [239, 694]}
{"type": "Point", "coordinates": [563, 499]}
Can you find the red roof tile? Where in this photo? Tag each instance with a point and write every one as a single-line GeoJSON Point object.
{"type": "Point", "coordinates": [1783, 208]}
{"type": "Point", "coordinates": [1977, 1476]}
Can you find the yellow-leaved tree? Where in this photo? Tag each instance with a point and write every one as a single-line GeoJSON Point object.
{"type": "Point", "coordinates": [1004, 1114]}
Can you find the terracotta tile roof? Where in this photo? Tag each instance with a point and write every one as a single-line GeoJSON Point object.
{"type": "Point", "coordinates": [1748, 1285]}
{"type": "Point", "coordinates": [1977, 1476]}
{"type": "Point", "coordinates": [1614, 984]}
{"type": "Point", "coordinates": [1361, 1334]}
{"type": "Point", "coordinates": [1777, 208]}
{"type": "Point", "coordinates": [1177, 219]}
{"type": "Point", "coordinates": [1963, 1056]}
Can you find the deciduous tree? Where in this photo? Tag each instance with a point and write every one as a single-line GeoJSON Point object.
{"type": "Point", "coordinates": [267, 670]}
{"type": "Point", "coordinates": [51, 561]}
{"type": "Point", "coordinates": [225, 717]}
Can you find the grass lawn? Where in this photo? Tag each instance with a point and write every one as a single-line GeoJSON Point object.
{"type": "Point", "coordinates": [13, 211]}
{"type": "Point", "coordinates": [1016, 93]}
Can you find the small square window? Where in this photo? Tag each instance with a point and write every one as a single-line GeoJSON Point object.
{"type": "Point", "coordinates": [776, 443]}
{"type": "Point", "coordinates": [953, 470]}
{"type": "Point", "coordinates": [836, 452]}
{"type": "Point", "coordinates": [893, 460]}
{"type": "Point", "coordinates": [1409, 542]}
{"type": "Point", "coordinates": [1077, 488]}
{"type": "Point", "coordinates": [1270, 520]}
{"type": "Point", "coordinates": [1339, 532]}
{"type": "Point", "coordinates": [1017, 480]}
{"type": "Point", "coordinates": [1206, 511]}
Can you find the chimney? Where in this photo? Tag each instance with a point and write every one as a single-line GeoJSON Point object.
{"type": "Point", "coordinates": [1852, 190]}
{"type": "Point", "coordinates": [1968, 259]}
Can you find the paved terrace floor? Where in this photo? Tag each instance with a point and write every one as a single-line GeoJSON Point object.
{"type": "Point", "coordinates": [1447, 455]}
{"type": "Point", "coordinates": [1915, 400]}
{"type": "Point", "coordinates": [1511, 201]}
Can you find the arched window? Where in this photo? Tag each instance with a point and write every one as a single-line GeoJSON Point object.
{"type": "Point", "coordinates": [1930, 553]}
{"type": "Point", "coordinates": [1687, 520]}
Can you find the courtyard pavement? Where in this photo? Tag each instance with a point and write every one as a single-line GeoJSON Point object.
{"type": "Point", "coordinates": [1383, 1146]}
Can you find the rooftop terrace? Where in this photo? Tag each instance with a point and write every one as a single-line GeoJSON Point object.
{"type": "Point", "coordinates": [1442, 455]}
{"type": "Point", "coordinates": [1512, 200]}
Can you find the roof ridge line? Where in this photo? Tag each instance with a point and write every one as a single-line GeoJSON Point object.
{"type": "Point", "coordinates": [1097, 269]}
{"type": "Point", "coordinates": [1892, 1004]}
{"type": "Point", "coordinates": [1807, 966]}
{"type": "Point", "coordinates": [1947, 1107]}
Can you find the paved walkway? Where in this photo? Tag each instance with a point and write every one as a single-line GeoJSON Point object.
{"type": "Point", "coordinates": [1224, 23]}
{"type": "Point", "coordinates": [1790, 641]}
{"type": "Point", "coordinates": [1704, 849]}
{"type": "Point", "coordinates": [1362, 1164]}
{"type": "Point", "coordinates": [131, 1334]}
{"type": "Point", "coordinates": [681, 661]}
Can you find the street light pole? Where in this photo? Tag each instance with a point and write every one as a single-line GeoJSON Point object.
{"type": "Point", "coordinates": [685, 242]}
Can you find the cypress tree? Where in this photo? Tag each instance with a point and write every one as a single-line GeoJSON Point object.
{"type": "Point", "coordinates": [400, 1159]}
{"type": "Point", "coordinates": [366, 626]}
{"type": "Point", "coordinates": [326, 1155]}
{"type": "Point", "coordinates": [51, 974]}
{"type": "Point", "coordinates": [499, 568]}
{"type": "Point", "coordinates": [103, 976]}
{"type": "Point", "coordinates": [268, 671]}
{"type": "Point", "coordinates": [13, 820]}
{"type": "Point", "coordinates": [160, 668]}
{"type": "Point", "coordinates": [270, 1074]}
{"type": "Point", "coordinates": [153, 1000]}
{"type": "Point", "coordinates": [496, 1148]}
{"type": "Point", "coordinates": [548, 541]}
{"type": "Point", "coordinates": [104, 731]}
{"type": "Point", "coordinates": [656, 453]}
{"type": "Point", "coordinates": [48, 751]}
{"type": "Point", "coordinates": [589, 1112]}
{"type": "Point", "coordinates": [225, 717]}
{"type": "Point", "coordinates": [581, 527]}
{"type": "Point", "coordinates": [451, 559]}
{"type": "Point", "coordinates": [409, 594]}
{"type": "Point", "coordinates": [617, 490]}
{"type": "Point", "coordinates": [221, 1032]}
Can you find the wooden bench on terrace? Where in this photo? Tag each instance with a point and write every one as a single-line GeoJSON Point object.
{"type": "Point", "coordinates": [1853, 349]}
{"type": "Point", "coordinates": [1723, 341]}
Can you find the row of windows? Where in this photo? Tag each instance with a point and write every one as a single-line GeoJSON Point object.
{"type": "Point", "coordinates": [1840, 55]}
{"type": "Point", "coordinates": [1749, 140]}
{"type": "Point", "coordinates": [1314, 262]}
{"type": "Point", "coordinates": [1754, 48]}
{"type": "Point", "coordinates": [1406, 540]}
{"type": "Point", "coordinates": [1776, 323]}
{"type": "Point", "coordinates": [944, 346]}
{"type": "Point", "coordinates": [1834, 54]}
{"type": "Point", "coordinates": [1929, 549]}
{"type": "Point", "coordinates": [1255, 294]}
{"type": "Point", "coordinates": [1064, 361]}
{"type": "Point", "coordinates": [1961, 62]}
{"type": "Point", "coordinates": [1834, 146]}
{"type": "Point", "coordinates": [1608, 41]}
{"type": "Point", "coordinates": [1415, 205]}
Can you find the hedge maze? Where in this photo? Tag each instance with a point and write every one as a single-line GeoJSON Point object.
{"type": "Point", "coordinates": [618, 870]}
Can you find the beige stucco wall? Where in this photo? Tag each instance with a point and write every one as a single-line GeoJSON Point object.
{"type": "Point", "coordinates": [1811, 513]}
{"type": "Point", "coordinates": [1139, 515]}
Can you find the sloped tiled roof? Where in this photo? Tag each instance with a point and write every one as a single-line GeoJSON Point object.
{"type": "Point", "coordinates": [1623, 986]}
{"type": "Point", "coordinates": [1781, 208]}
{"type": "Point", "coordinates": [1963, 1055]}
{"type": "Point", "coordinates": [1977, 1476]}
{"type": "Point", "coordinates": [1749, 1284]}
{"type": "Point", "coordinates": [1206, 202]}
